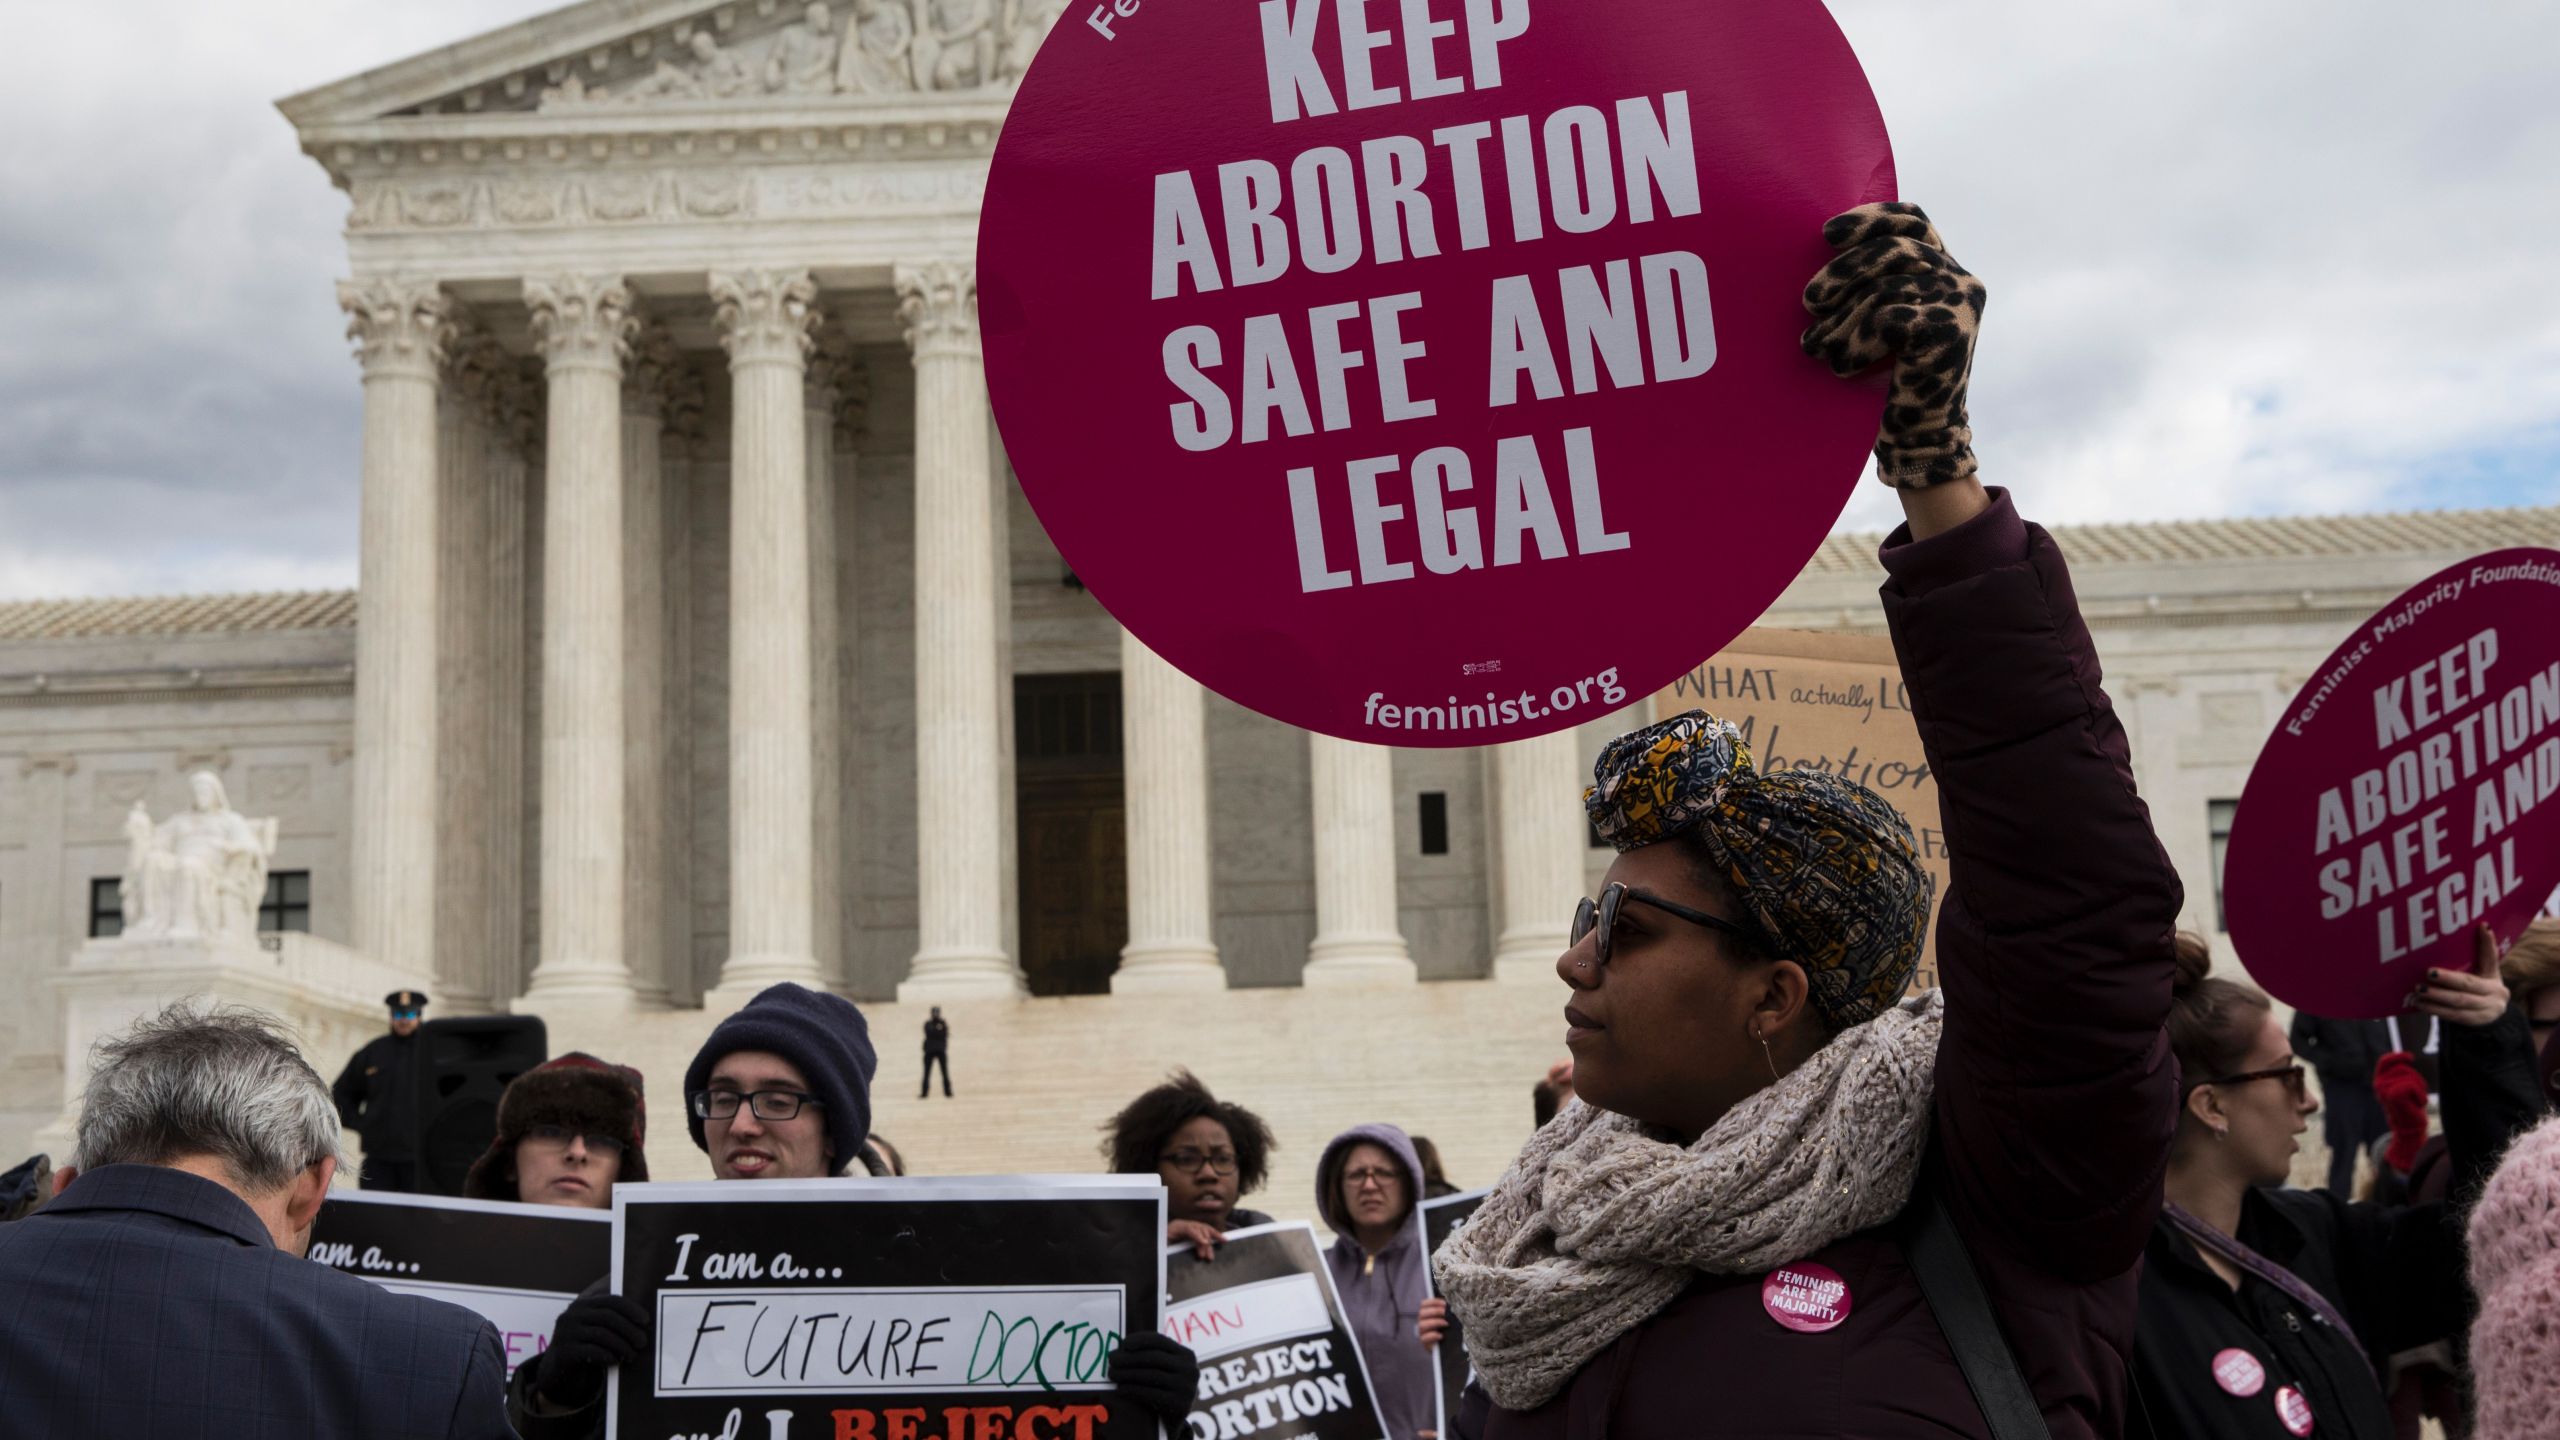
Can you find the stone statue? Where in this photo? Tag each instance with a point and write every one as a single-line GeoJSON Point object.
{"type": "Point", "coordinates": [804, 58]}
{"type": "Point", "coordinates": [874, 58]}
{"type": "Point", "coordinates": [955, 46]}
{"type": "Point", "coordinates": [714, 74]}
{"type": "Point", "coordinates": [200, 874]}
{"type": "Point", "coordinates": [1027, 24]}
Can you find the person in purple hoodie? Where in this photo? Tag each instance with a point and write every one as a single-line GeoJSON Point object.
{"type": "Point", "coordinates": [1368, 1188]}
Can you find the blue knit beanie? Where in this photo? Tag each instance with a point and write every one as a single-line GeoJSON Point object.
{"type": "Point", "coordinates": [823, 1036]}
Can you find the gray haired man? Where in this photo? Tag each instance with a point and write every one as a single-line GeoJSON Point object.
{"type": "Point", "coordinates": [164, 1291]}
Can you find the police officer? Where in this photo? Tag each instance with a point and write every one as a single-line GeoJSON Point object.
{"type": "Point", "coordinates": [937, 1051]}
{"type": "Point", "coordinates": [377, 1097]}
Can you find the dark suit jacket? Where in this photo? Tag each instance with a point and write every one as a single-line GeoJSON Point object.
{"type": "Point", "coordinates": [148, 1301]}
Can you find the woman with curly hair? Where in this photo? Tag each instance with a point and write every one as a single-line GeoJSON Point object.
{"type": "Point", "coordinates": [1210, 1153]}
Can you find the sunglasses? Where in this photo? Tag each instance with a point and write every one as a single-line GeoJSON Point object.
{"type": "Point", "coordinates": [2291, 1075]}
{"type": "Point", "coordinates": [1600, 918]}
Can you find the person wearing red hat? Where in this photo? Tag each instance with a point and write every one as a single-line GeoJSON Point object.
{"type": "Point", "coordinates": [568, 1131]}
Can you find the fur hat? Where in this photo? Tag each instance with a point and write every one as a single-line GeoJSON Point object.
{"type": "Point", "coordinates": [2515, 1270]}
{"type": "Point", "coordinates": [577, 1091]}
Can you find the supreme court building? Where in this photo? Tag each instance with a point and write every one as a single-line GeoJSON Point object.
{"type": "Point", "coordinates": [704, 640]}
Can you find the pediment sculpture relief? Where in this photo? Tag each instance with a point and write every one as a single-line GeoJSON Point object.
{"type": "Point", "coordinates": [841, 47]}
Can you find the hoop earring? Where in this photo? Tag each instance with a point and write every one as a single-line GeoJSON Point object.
{"type": "Point", "coordinates": [1766, 1053]}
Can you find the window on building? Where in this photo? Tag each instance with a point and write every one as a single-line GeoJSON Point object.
{"type": "Point", "coordinates": [106, 908]}
{"type": "Point", "coordinates": [2218, 815]}
{"type": "Point", "coordinates": [1435, 822]}
{"type": "Point", "coordinates": [287, 905]}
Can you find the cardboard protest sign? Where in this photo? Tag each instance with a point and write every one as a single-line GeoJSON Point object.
{"type": "Point", "coordinates": [517, 1266]}
{"type": "Point", "coordinates": [899, 1309]}
{"type": "Point", "coordinates": [1441, 1219]}
{"type": "Point", "coordinates": [1277, 1357]}
{"type": "Point", "coordinates": [1387, 367]}
{"type": "Point", "coordinates": [1833, 703]}
{"type": "Point", "coordinates": [2406, 796]}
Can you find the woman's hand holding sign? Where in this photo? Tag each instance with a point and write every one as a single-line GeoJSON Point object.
{"type": "Point", "coordinates": [1434, 1322]}
{"type": "Point", "coordinates": [2477, 998]}
{"type": "Point", "coordinates": [1203, 1238]}
{"type": "Point", "coordinates": [1896, 294]}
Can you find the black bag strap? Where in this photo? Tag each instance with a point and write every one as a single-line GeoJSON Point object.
{"type": "Point", "coordinates": [1944, 1268]}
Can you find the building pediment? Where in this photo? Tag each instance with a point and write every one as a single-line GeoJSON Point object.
{"type": "Point", "coordinates": [679, 55]}
{"type": "Point", "coordinates": [673, 119]}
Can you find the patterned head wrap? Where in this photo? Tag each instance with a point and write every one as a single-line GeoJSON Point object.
{"type": "Point", "coordinates": [1827, 869]}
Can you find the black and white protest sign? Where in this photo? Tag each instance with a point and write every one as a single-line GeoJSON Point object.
{"type": "Point", "coordinates": [1277, 1357]}
{"type": "Point", "coordinates": [903, 1309]}
{"type": "Point", "coordinates": [1441, 1219]}
{"type": "Point", "coordinates": [517, 1265]}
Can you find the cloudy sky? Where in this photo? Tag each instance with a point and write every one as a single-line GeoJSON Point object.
{"type": "Point", "coordinates": [2278, 257]}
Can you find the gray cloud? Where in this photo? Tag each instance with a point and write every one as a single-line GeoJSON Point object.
{"type": "Point", "coordinates": [2276, 257]}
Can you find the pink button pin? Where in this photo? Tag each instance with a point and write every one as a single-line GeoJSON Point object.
{"type": "Point", "coordinates": [2239, 1373]}
{"type": "Point", "coordinates": [1808, 1299]}
{"type": "Point", "coordinates": [2293, 1410]}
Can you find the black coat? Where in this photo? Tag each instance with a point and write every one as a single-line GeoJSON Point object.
{"type": "Point", "coordinates": [2056, 1096]}
{"type": "Point", "coordinates": [2394, 1272]}
{"type": "Point", "coordinates": [2343, 1051]}
{"type": "Point", "coordinates": [377, 1097]}
{"type": "Point", "coordinates": [149, 1301]}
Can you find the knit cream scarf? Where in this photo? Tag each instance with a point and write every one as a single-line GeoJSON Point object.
{"type": "Point", "coordinates": [1600, 1223]}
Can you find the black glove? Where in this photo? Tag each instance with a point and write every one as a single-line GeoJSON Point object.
{"type": "Point", "coordinates": [596, 1333]}
{"type": "Point", "coordinates": [1159, 1374]}
{"type": "Point", "coordinates": [1895, 294]}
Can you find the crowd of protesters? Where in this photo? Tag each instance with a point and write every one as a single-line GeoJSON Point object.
{"type": "Point", "coordinates": [1771, 1194]}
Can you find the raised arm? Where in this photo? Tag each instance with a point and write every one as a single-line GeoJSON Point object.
{"type": "Point", "coordinates": [2056, 1094]}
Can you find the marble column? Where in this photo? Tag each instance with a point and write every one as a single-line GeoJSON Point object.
{"type": "Point", "coordinates": [765, 318]}
{"type": "Point", "coordinates": [1164, 737]}
{"type": "Point", "coordinates": [401, 328]}
{"type": "Point", "coordinates": [465, 981]}
{"type": "Point", "coordinates": [1540, 837]}
{"type": "Point", "coordinates": [961, 895]}
{"type": "Point", "coordinates": [507, 443]}
{"type": "Point", "coordinates": [583, 327]}
{"type": "Point", "coordinates": [647, 868]}
{"type": "Point", "coordinates": [1359, 941]}
{"type": "Point", "coordinates": [830, 374]}
{"type": "Point", "coordinates": [689, 721]}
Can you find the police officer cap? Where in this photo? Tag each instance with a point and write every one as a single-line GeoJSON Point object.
{"type": "Point", "coordinates": [405, 1000]}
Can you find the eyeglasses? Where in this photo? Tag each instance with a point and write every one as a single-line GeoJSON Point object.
{"type": "Point", "coordinates": [767, 1104]}
{"type": "Point", "coordinates": [2291, 1075]}
{"type": "Point", "coordinates": [1601, 918]}
{"type": "Point", "coordinates": [404, 1014]}
{"type": "Point", "coordinates": [1363, 1179]}
{"type": "Point", "coordinates": [1221, 1162]}
{"type": "Point", "coordinates": [557, 1137]}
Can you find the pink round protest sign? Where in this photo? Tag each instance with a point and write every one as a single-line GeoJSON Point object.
{"type": "Point", "coordinates": [2294, 1411]}
{"type": "Point", "coordinates": [2239, 1373]}
{"type": "Point", "coordinates": [1805, 1298]}
{"type": "Point", "coordinates": [2407, 795]}
{"type": "Point", "coordinates": [1424, 372]}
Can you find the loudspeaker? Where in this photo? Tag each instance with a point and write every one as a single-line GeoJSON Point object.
{"type": "Point", "coordinates": [464, 1065]}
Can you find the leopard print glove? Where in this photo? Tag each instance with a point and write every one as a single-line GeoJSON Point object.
{"type": "Point", "coordinates": [1895, 294]}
